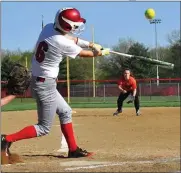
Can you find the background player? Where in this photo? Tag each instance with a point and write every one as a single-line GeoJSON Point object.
{"type": "Point", "coordinates": [53, 43]}
{"type": "Point", "coordinates": [128, 86]}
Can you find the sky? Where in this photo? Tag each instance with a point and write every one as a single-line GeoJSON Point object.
{"type": "Point", "coordinates": [21, 21]}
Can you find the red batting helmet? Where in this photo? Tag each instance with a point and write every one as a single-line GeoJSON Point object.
{"type": "Point", "coordinates": [69, 20]}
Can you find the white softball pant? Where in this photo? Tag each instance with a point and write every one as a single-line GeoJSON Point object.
{"type": "Point", "coordinates": [49, 102]}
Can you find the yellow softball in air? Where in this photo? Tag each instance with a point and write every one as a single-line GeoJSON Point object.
{"type": "Point", "coordinates": [150, 13]}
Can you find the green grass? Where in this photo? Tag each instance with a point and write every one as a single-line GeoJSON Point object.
{"type": "Point", "coordinates": [114, 99]}
{"type": "Point", "coordinates": [97, 102]}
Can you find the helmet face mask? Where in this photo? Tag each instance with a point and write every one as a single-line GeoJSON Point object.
{"type": "Point", "coordinates": [69, 20]}
{"type": "Point", "coordinates": [76, 27]}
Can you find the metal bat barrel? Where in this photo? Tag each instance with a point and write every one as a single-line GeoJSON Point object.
{"type": "Point", "coordinates": [150, 60]}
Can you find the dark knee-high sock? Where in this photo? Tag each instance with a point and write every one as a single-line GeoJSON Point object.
{"type": "Point", "coordinates": [137, 103]}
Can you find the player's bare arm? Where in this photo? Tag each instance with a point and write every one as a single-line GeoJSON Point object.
{"type": "Point", "coordinates": [121, 89]}
{"type": "Point", "coordinates": [83, 43]}
{"type": "Point", "coordinates": [7, 99]}
{"type": "Point", "coordinates": [134, 92]}
{"type": "Point", "coordinates": [134, 85]}
{"type": "Point", "coordinates": [93, 53]}
{"type": "Point", "coordinates": [96, 48]}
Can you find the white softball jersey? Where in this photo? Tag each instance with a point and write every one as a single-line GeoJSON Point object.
{"type": "Point", "coordinates": [50, 49]}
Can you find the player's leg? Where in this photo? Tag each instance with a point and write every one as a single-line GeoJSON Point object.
{"type": "Point", "coordinates": [137, 105]}
{"type": "Point", "coordinates": [120, 101]}
{"type": "Point", "coordinates": [65, 115]}
{"type": "Point", "coordinates": [46, 113]}
{"type": "Point", "coordinates": [46, 107]}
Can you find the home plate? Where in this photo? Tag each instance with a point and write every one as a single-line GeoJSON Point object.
{"type": "Point", "coordinates": [63, 150]}
{"type": "Point", "coordinates": [82, 163]}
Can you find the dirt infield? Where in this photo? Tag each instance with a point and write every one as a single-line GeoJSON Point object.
{"type": "Point", "coordinates": [128, 143]}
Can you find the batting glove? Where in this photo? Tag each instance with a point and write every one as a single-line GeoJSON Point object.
{"type": "Point", "coordinates": [97, 47]}
{"type": "Point", "coordinates": [105, 51]}
{"type": "Point", "coordinates": [131, 100]}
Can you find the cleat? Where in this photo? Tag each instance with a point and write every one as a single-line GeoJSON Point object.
{"type": "Point", "coordinates": [117, 113]}
{"type": "Point", "coordinates": [5, 145]}
{"type": "Point", "coordinates": [79, 153]}
{"type": "Point", "coordinates": [138, 113]}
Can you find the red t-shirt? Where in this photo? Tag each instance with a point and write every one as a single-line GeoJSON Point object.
{"type": "Point", "coordinates": [128, 85]}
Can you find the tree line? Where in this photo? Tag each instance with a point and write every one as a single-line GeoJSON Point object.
{"type": "Point", "coordinates": [109, 67]}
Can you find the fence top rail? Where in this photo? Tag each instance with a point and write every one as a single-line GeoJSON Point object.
{"type": "Point", "coordinates": [113, 80]}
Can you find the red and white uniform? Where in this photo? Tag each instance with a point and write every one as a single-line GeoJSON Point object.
{"type": "Point", "coordinates": [52, 45]}
{"type": "Point", "coordinates": [50, 49]}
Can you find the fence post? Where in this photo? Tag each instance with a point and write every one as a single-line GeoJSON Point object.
{"type": "Point", "coordinates": [89, 92]}
{"type": "Point", "coordinates": [96, 91]}
{"type": "Point", "coordinates": [140, 91]}
{"type": "Point", "coordinates": [85, 91]}
{"type": "Point", "coordinates": [178, 91]}
{"type": "Point", "coordinates": [104, 93]}
{"type": "Point", "coordinates": [73, 91]}
{"type": "Point", "coordinates": [150, 90]}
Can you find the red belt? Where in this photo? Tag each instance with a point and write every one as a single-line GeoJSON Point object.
{"type": "Point", "coordinates": [40, 79]}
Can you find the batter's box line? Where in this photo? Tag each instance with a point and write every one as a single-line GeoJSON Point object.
{"type": "Point", "coordinates": [78, 162]}
{"type": "Point", "coordinates": [26, 163]}
{"type": "Point", "coordinates": [123, 163]}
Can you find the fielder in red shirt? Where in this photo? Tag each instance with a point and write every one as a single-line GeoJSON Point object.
{"type": "Point", "coordinates": [128, 87]}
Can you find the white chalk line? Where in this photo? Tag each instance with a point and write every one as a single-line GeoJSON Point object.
{"type": "Point", "coordinates": [27, 163]}
{"type": "Point", "coordinates": [122, 163]}
{"type": "Point", "coordinates": [64, 163]}
{"type": "Point", "coordinates": [94, 164]}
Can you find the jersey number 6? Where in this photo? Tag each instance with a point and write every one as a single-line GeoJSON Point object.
{"type": "Point", "coordinates": [40, 52]}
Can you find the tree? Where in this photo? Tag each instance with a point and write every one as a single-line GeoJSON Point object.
{"type": "Point", "coordinates": [6, 67]}
{"type": "Point", "coordinates": [111, 66]}
{"type": "Point", "coordinates": [174, 55]}
{"type": "Point", "coordinates": [19, 56]}
{"type": "Point", "coordinates": [175, 58]}
{"type": "Point", "coordinates": [174, 37]}
{"type": "Point", "coordinates": [140, 69]}
{"type": "Point", "coordinates": [81, 68]}
{"type": "Point", "coordinates": [63, 70]}
{"type": "Point", "coordinates": [26, 58]}
{"type": "Point", "coordinates": [163, 55]}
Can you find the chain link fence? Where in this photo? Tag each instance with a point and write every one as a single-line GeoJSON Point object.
{"type": "Point", "coordinates": [107, 91]}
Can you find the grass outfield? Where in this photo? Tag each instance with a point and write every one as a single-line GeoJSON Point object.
{"type": "Point", "coordinates": [98, 102]}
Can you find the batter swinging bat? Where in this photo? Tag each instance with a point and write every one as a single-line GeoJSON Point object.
{"type": "Point", "coordinates": [150, 60]}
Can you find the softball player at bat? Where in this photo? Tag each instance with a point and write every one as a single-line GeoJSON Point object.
{"type": "Point", "coordinates": [52, 45]}
{"type": "Point", "coordinates": [128, 87]}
